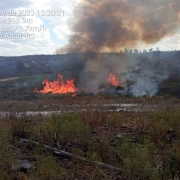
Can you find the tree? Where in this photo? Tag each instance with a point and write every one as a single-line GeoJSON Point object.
{"type": "Point", "coordinates": [151, 50]}
{"type": "Point", "coordinates": [136, 51]}
{"type": "Point", "coordinates": [130, 51]}
{"type": "Point", "coordinates": [125, 50]}
{"type": "Point", "coordinates": [157, 49]}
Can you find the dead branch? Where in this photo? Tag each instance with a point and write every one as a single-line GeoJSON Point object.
{"type": "Point", "coordinates": [70, 155]}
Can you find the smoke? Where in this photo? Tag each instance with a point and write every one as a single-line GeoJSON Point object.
{"type": "Point", "coordinates": [97, 70]}
{"type": "Point", "coordinates": [110, 25]}
{"type": "Point", "coordinates": [152, 73]}
{"type": "Point", "coordinates": [140, 74]}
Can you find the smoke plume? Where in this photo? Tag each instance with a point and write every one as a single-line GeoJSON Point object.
{"type": "Point", "coordinates": [110, 25]}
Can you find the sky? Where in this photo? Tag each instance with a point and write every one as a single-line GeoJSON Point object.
{"type": "Point", "coordinates": [39, 34]}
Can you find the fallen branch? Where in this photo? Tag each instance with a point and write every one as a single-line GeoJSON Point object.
{"type": "Point", "coordinates": [70, 155]}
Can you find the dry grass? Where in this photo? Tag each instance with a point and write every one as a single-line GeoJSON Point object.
{"type": "Point", "coordinates": [144, 144]}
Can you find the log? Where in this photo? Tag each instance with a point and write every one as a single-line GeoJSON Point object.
{"type": "Point", "coordinates": [70, 155]}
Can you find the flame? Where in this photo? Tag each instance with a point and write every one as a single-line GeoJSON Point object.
{"type": "Point", "coordinates": [63, 87]}
{"type": "Point", "coordinates": [113, 80]}
{"type": "Point", "coordinates": [58, 87]}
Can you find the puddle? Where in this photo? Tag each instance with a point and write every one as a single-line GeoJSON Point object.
{"type": "Point", "coordinates": [90, 107]}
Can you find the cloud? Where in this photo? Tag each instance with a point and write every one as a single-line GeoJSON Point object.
{"type": "Point", "coordinates": [78, 22]}
{"type": "Point", "coordinates": [45, 42]}
{"type": "Point", "coordinates": [9, 4]}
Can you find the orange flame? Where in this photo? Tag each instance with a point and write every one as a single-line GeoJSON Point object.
{"type": "Point", "coordinates": [113, 80]}
{"type": "Point", "coordinates": [58, 87]}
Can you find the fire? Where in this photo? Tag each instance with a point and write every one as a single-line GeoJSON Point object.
{"type": "Point", "coordinates": [68, 86]}
{"type": "Point", "coordinates": [58, 87]}
{"type": "Point", "coordinates": [113, 80]}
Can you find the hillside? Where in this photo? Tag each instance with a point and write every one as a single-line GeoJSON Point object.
{"type": "Point", "coordinates": [28, 72]}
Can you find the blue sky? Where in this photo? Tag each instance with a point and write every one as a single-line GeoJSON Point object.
{"type": "Point", "coordinates": [57, 29]}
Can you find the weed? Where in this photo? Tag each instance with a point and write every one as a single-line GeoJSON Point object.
{"type": "Point", "coordinates": [137, 162]}
{"type": "Point", "coordinates": [66, 128]}
{"type": "Point", "coordinates": [158, 127]}
{"type": "Point", "coordinates": [46, 168]}
{"type": "Point", "coordinates": [7, 154]}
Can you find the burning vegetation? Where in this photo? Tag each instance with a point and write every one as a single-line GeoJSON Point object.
{"type": "Point", "coordinates": [113, 80]}
{"type": "Point", "coordinates": [58, 87]}
{"type": "Point", "coordinates": [61, 87]}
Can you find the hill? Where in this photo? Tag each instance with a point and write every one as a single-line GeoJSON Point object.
{"type": "Point", "coordinates": [17, 74]}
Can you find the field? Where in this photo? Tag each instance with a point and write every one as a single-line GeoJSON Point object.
{"type": "Point", "coordinates": [105, 136]}
{"type": "Point", "coordinates": [99, 137]}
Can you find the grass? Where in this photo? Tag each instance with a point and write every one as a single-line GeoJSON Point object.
{"type": "Point", "coordinates": [147, 146]}
{"type": "Point", "coordinates": [46, 168]}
